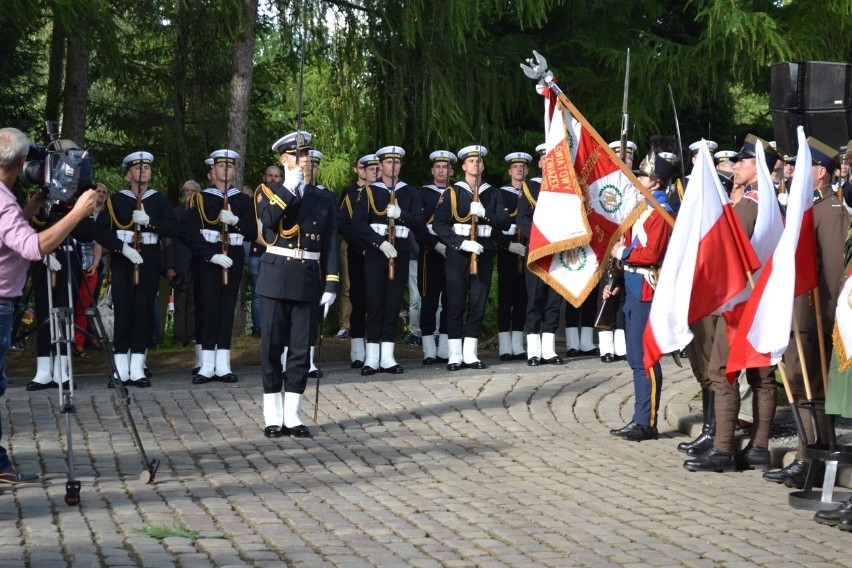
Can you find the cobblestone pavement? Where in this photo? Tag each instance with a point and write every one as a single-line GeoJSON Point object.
{"type": "Point", "coordinates": [512, 466]}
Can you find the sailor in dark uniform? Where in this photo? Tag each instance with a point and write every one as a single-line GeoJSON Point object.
{"type": "Point", "coordinates": [297, 271]}
{"type": "Point", "coordinates": [132, 235]}
{"type": "Point", "coordinates": [467, 293]}
{"type": "Point", "coordinates": [431, 278]}
{"type": "Point", "coordinates": [222, 227]}
{"type": "Point", "coordinates": [367, 169]}
{"type": "Point", "coordinates": [511, 268]}
{"type": "Point", "coordinates": [384, 215]}
{"type": "Point", "coordinates": [543, 302]}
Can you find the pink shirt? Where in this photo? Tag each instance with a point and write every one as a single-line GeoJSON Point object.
{"type": "Point", "coordinates": [18, 245]}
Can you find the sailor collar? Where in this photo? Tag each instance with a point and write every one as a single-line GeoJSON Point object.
{"type": "Point", "coordinates": [148, 193]}
{"type": "Point", "coordinates": [510, 189]}
{"type": "Point", "coordinates": [400, 184]}
{"type": "Point", "coordinates": [215, 191]}
{"type": "Point", "coordinates": [464, 185]}
{"type": "Point", "coordinates": [434, 188]}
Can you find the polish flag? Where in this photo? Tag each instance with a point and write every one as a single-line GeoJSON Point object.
{"type": "Point", "coordinates": [764, 330]}
{"type": "Point", "coordinates": [705, 264]}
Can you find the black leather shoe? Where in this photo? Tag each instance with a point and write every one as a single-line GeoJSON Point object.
{"type": "Point", "coordinates": [640, 433]}
{"type": "Point", "coordinates": [474, 365]}
{"type": "Point", "coordinates": [590, 353]}
{"type": "Point", "coordinates": [793, 475]}
{"type": "Point", "coordinates": [506, 357]}
{"type": "Point", "coordinates": [148, 373]}
{"type": "Point", "coordinates": [142, 383]}
{"type": "Point", "coordinates": [442, 359]}
{"type": "Point", "coordinates": [194, 371]}
{"type": "Point", "coordinates": [608, 358]}
{"type": "Point", "coordinates": [555, 360]}
{"type": "Point", "coordinates": [201, 380]}
{"type": "Point", "coordinates": [833, 517]}
{"type": "Point", "coordinates": [357, 364]}
{"type": "Point", "coordinates": [621, 357]}
{"type": "Point", "coordinates": [367, 371]}
{"type": "Point", "coordinates": [429, 361]}
{"type": "Point", "coordinates": [453, 366]}
{"type": "Point", "coordinates": [272, 432]}
{"type": "Point", "coordinates": [712, 460]}
{"type": "Point", "coordinates": [753, 457]}
{"type": "Point", "coordinates": [300, 431]}
{"type": "Point", "coordinates": [698, 446]}
{"type": "Point", "coordinates": [229, 378]}
{"type": "Point", "coordinates": [519, 356]}
{"type": "Point", "coordinates": [34, 386]}
{"type": "Point", "coordinates": [315, 374]}
{"type": "Point", "coordinates": [619, 431]}
{"type": "Point", "coordinates": [395, 370]}
{"type": "Point", "coordinates": [573, 353]}
{"type": "Point", "coordinates": [533, 361]}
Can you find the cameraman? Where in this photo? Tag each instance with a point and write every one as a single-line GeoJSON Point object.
{"type": "Point", "coordinates": [20, 244]}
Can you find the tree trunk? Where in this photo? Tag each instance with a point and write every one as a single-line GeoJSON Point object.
{"type": "Point", "coordinates": [238, 111]}
{"type": "Point", "coordinates": [75, 104]}
{"type": "Point", "coordinates": [55, 73]}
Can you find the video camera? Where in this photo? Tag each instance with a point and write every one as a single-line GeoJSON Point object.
{"type": "Point", "coordinates": [60, 169]}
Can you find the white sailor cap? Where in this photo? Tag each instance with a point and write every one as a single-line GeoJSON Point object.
{"type": "Point", "coordinates": [518, 158]}
{"type": "Point", "coordinates": [696, 146]}
{"type": "Point", "coordinates": [316, 155]}
{"type": "Point", "coordinates": [616, 146]}
{"type": "Point", "coordinates": [224, 157]}
{"type": "Point", "coordinates": [209, 162]}
{"type": "Point", "coordinates": [472, 152]}
{"type": "Point", "coordinates": [390, 152]}
{"type": "Point", "coordinates": [724, 155]}
{"type": "Point", "coordinates": [442, 156]}
{"type": "Point", "coordinates": [289, 142]}
{"type": "Point", "coordinates": [136, 158]}
{"type": "Point", "coordinates": [368, 160]}
{"type": "Point", "coordinates": [541, 149]}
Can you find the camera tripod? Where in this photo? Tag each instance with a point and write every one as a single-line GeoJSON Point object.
{"type": "Point", "coordinates": [62, 329]}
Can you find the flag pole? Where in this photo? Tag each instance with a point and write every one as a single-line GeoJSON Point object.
{"type": "Point", "coordinates": [823, 361]}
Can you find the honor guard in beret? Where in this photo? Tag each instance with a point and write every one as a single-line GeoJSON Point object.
{"type": "Point", "coordinates": [466, 217]}
{"type": "Point", "coordinates": [511, 265]}
{"type": "Point", "coordinates": [431, 277]}
{"type": "Point", "coordinates": [136, 218]}
{"type": "Point", "coordinates": [641, 253]}
{"type": "Point", "coordinates": [831, 224]}
{"type": "Point", "coordinates": [385, 214]}
{"type": "Point", "coordinates": [716, 449]}
{"type": "Point", "coordinates": [543, 302]}
{"type": "Point", "coordinates": [297, 272]}
{"type": "Point", "coordinates": [221, 218]}
{"type": "Point", "coordinates": [352, 249]}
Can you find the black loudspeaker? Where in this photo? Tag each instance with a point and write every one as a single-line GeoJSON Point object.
{"type": "Point", "coordinates": [813, 94]}
{"type": "Point", "coordinates": [834, 127]}
{"type": "Point", "coordinates": [810, 85]}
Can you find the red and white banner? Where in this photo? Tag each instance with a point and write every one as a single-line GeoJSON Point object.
{"type": "Point", "coordinates": [705, 265]}
{"type": "Point", "coordinates": [764, 330]}
{"type": "Point", "coordinates": [587, 202]}
{"type": "Point", "coordinates": [842, 334]}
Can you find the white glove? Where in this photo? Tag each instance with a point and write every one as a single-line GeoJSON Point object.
{"type": "Point", "coordinates": [140, 217]}
{"type": "Point", "coordinates": [518, 249]}
{"type": "Point", "coordinates": [394, 211]}
{"type": "Point", "coordinates": [441, 249]}
{"type": "Point", "coordinates": [52, 262]}
{"type": "Point", "coordinates": [222, 260]}
{"type": "Point", "coordinates": [228, 218]}
{"type": "Point", "coordinates": [131, 254]}
{"type": "Point", "coordinates": [388, 249]}
{"type": "Point", "coordinates": [783, 198]}
{"type": "Point", "coordinates": [327, 299]}
{"type": "Point", "coordinates": [293, 178]}
{"type": "Point", "coordinates": [477, 208]}
{"type": "Point", "coordinates": [472, 246]}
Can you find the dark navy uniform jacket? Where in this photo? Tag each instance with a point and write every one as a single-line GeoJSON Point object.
{"type": "Point", "coordinates": [454, 208]}
{"type": "Point", "coordinates": [371, 206]}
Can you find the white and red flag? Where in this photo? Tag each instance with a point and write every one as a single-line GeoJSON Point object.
{"type": "Point", "coordinates": [842, 334]}
{"type": "Point", "coordinates": [706, 264]}
{"type": "Point", "coordinates": [764, 329]}
{"type": "Point", "coordinates": [587, 201]}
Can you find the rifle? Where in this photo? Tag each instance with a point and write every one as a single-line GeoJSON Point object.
{"type": "Point", "coordinates": [223, 228]}
{"type": "Point", "coordinates": [391, 224]}
{"type": "Point", "coordinates": [609, 306]}
{"type": "Point", "coordinates": [474, 259]}
{"type": "Point", "coordinates": [136, 244]}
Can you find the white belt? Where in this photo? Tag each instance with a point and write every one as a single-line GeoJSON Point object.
{"type": "Point", "coordinates": [430, 229]}
{"type": "Point", "coordinates": [511, 230]}
{"type": "Point", "coordinates": [649, 273]}
{"type": "Point", "coordinates": [298, 254]}
{"type": "Point", "coordinates": [399, 231]}
{"type": "Point", "coordinates": [145, 237]}
{"type": "Point", "coordinates": [463, 230]}
{"type": "Point", "coordinates": [214, 236]}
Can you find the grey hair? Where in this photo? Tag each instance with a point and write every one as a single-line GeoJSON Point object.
{"type": "Point", "coordinates": [14, 145]}
{"type": "Point", "coordinates": [193, 182]}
